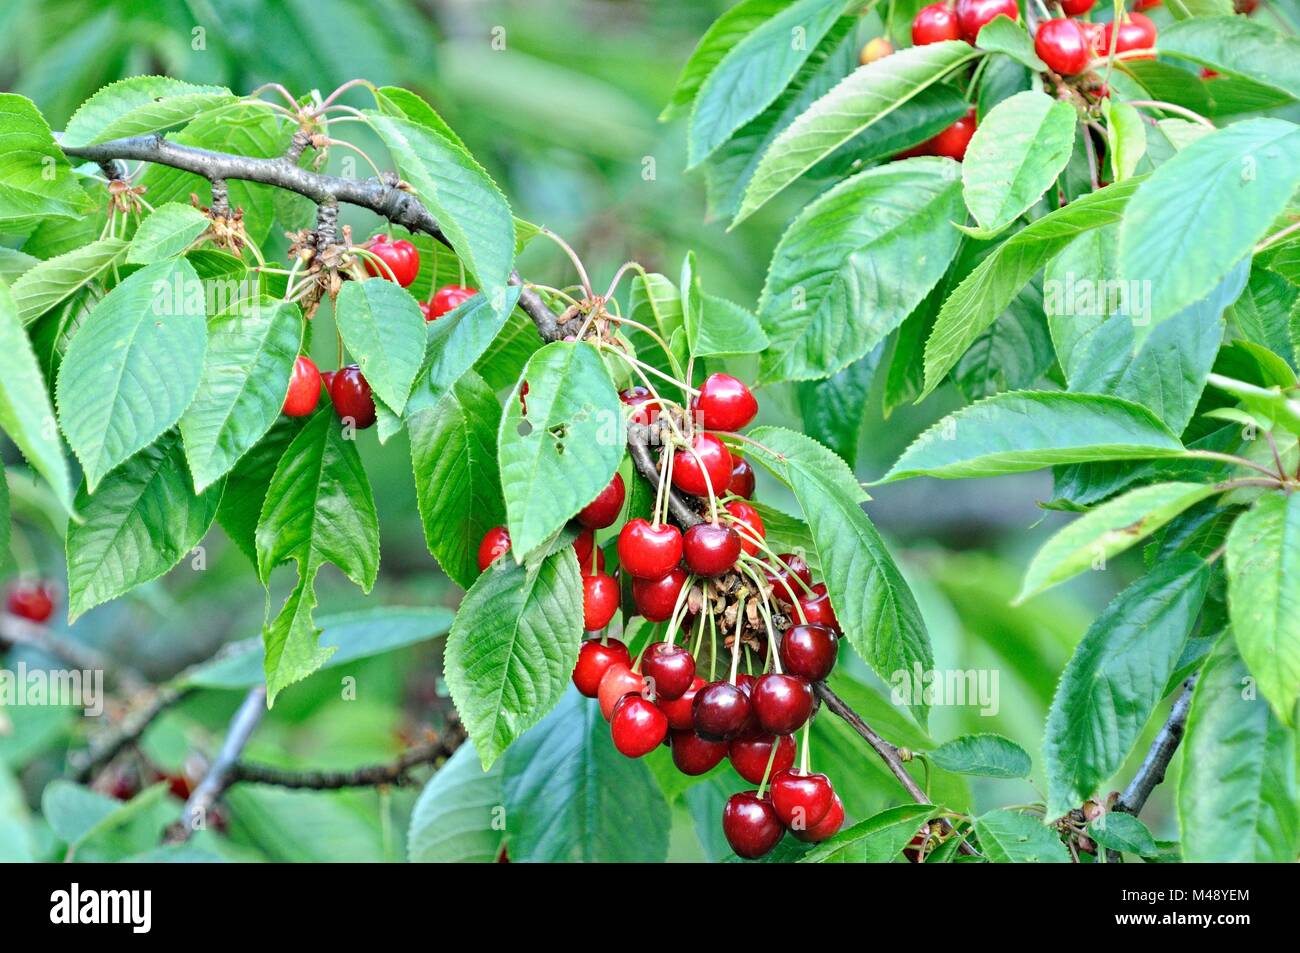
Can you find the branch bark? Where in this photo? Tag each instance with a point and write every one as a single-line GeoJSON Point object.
{"type": "Point", "coordinates": [221, 775]}
{"type": "Point", "coordinates": [396, 772]}
{"type": "Point", "coordinates": [1156, 763]}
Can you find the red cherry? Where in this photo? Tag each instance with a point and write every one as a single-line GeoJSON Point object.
{"type": "Point", "coordinates": [724, 403]}
{"type": "Point", "coordinates": [782, 581]}
{"type": "Point", "coordinates": [742, 477]}
{"type": "Point", "coordinates": [670, 667]}
{"type": "Point", "coordinates": [618, 680]}
{"type": "Point", "coordinates": [934, 23]}
{"type": "Point", "coordinates": [637, 726]}
{"type": "Point", "coordinates": [749, 525]}
{"type": "Point", "coordinates": [33, 601]}
{"type": "Point", "coordinates": [809, 651]}
{"type": "Point", "coordinates": [426, 309]}
{"type": "Point", "coordinates": [1074, 8]}
{"type": "Point", "coordinates": [496, 543]}
{"type": "Point", "coordinates": [1148, 4]}
{"type": "Point", "coordinates": [828, 826]}
{"type": "Point", "coordinates": [599, 601]}
{"type": "Point", "coordinates": [447, 299]}
{"type": "Point", "coordinates": [400, 256]}
{"type": "Point", "coordinates": [749, 755]}
{"type": "Point", "coordinates": [817, 607]}
{"type": "Point", "coordinates": [1138, 32]}
{"type": "Point", "coordinates": [801, 800]}
{"type": "Point", "coordinates": [721, 711]}
{"type": "Point", "coordinates": [594, 659]}
{"type": "Point", "coordinates": [693, 755]}
{"type": "Point", "coordinates": [913, 849]}
{"type": "Point", "coordinates": [1064, 46]}
{"type": "Point", "coordinates": [782, 703]}
{"type": "Point", "coordinates": [656, 598]}
{"type": "Point", "coordinates": [711, 549]}
{"type": "Point", "coordinates": [751, 825]}
{"type": "Point", "coordinates": [604, 509]}
{"type": "Point", "coordinates": [179, 785]}
{"type": "Point", "coordinates": [678, 710]}
{"type": "Point", "coordinates": [952, 142]}
{"type": "Point", "coordinates": [583, 544]}
{"type": "Point", "coordinates": [644, 408]}
{"type": "Point", "coordinates": [710, 459]}
{"type": "Point", "coordinates": [352, 398]}
{"type": "Point", "coordinates": [304, 388]}
{"type": "Point", "coordinates": [649, 552]}
{"type": "Point", "coordinates": [973, 14]}
{"type": "Point", "coordinates": [595, 563]}
{"type": "Point", "coordinates": [327, 378]}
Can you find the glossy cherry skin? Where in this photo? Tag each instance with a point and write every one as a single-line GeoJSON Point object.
{"type": "Point", "coordinates": [1064, 46]}
{"type": "Point", "coordinates": [583, 544]}
{"type": "Point", "coordinates": [784, 586]}
{"type": "Point", "coordinates": [671, 669]}
{"type": "Point", "coordinates": [595, 563]}
{"type": "Point", "coordinates": [448, 298]}
{"type": "Point", "coordinates": [809, 651]}
{"type": "Point", "coordinates": [817, 607]}
{"type": "Point", "coordinates": [599, 601]}
{"type": "Point", "coordinates": [782, 703]}
{"type": "Point", "coordinates": [750, 825]}
{"type": "Point", "coordinates": [604, 509]}
{"type": "Point", "coordinates": [400, 256]}
{"type": "Point", "coordinates": [496, 543]}
{"type": "Point", "coordinates": [33, 601]}
{"type": "Point", "coordinates": [973, 14]}
{"type": "Point", "coordinates": [724, 403]}
{"type": "Point", "coordinates": [711, 549]}
{"type": "Point", "coordinates": [656, 598]}
{"type": "Point", "coordinates": [709, 467]}
{"type": "Point", "coordinates": [644, 408]}
{"type": "Point", "coordinates": [352, 398]}
{"type": "Point", "coordinates": [594, 660]}
{"type": "Point", "coordinates": [679, 710]}
{"type": "Point", "coordinates": [637, 726]}
{"type": "Point", "coordinates": [952, 142]}
{"type": "Point", "coordinates": [935, 22]}
{"type": "Point", "coordinates": [649, 552]}
{"type": "Point", "coordinates": [1074, 8]}
{"type": "Point", "coordinates": [618, 680]}
{"type": "Point", "coordinates": [828, 826]}
{"type": "Point", "coordinates": [327, 378]}
{"type": "Point", "coordinates": [304, 388]}
{"type": "Point", "coordinates": [1138, 32]}
{"type": "Point", "coordinates": [749, 755]}
{"type": "Point", "coordinates": [721, 711]}
{"type": "Point", "coordinates": [750, 529]}
{"type": "Point", "coordinates": [693, 755]}
{"type": "Point", "coordinates": [801, 800]}
{"type": "Point", "coordinates": [877, 48]}
{"type": "Point", "coordinates": [742, 478]}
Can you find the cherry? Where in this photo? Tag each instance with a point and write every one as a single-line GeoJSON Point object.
{"type": "Point", "coordinates": [327, 378]}
{"type": "Point", "coordinates": [656, 598]}
{"type": "Point", "coordinates": [913, 849]}
{"type": "Point", "coordinates": [693, 755]}
{"type": "Point", "coordinates": [782, 581]}
{"type": "Point", "coordinates": [179, 785]}
{"type": "Point", "coordinates": [1064, 46]}
{"type": "Point", "coordinates": [711, 549]}
{"type": "Point", "coordinates": [749, 755]}
{"type": "Point", "coordinates": [671, 667]}
{"type": "Point", "coordinates": [750, 528]}
{"type": "Point", "coordinates": [1074, 8]}
{"type": "Point", "coordinates": [400, 256]}
{"type": "Point", "coordinates": [426, 309]}
{"type": "Point", "coordinates": [678, 710]}
{"type": "Point", "coordinates": [952, 142]}
{"type": "Point", "coordinates": [828, 826]}
{"type": "Point", "coordinates": [590, 568]}
{"type": "Point", "coordinates": [496, 543]}
{"type": "Point", "coordinates": [447, 299]}
{"type": "Point", "coordinates": [618, 680]}
{"type": "Point", "coordinates": [637, 726]}
{"type": "Point", "coordinates": [721, 711]}
{"type": "Point", "coordinates": [809, 651]}
{"type": "Point", "coordinates": [604, 509]}
{"type": "Point", "coordinates": [724, 403]}
{"type": "Point", "coordinates": [751, 825]}
{"type": "Point", "coordinates": [352, 398]}
{"type": "Point", "coordinates": [1148, 4]}
{"type": "Point", "coordinates": [973, 14]}
{"type": "Point", "coordinates": [742, 477]}
{"type": "Point", "coordinates": [934, 23]}
{"type": "Point", "coordinates": [782, 703]}
{"type": "Point", "coordinates": [801, 800]}
{"type": "Point", "coordinates": [649, 552]}
{"type": "Point", "coordinates": [711, 459]}
{"type": "Point", "coordinates": [594, 659]}
{"type": "Point", "coordinates": [599, 601]}
{"type": "Point", "coordinates": [1138, 32]}
{"type": "Point", "coordinates": [304, 388]}
{"type": "Point", "coordinates": [33, 601]}
{"type": "Point", "coordinates": [583, 544]}
{"type": "Point", "coordinates": [817, 607]}
{"type": "Point", "coordinates": [644, 408]}
{"type": "Point", "coordinates": [876, 49]}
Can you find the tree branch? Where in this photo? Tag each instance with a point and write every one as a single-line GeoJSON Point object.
{"type": "Point", "coordinates": [395, 772]}
{"type": "Point", "coordinates": [85, 763]}
{"type": "Point", "coordinates": [1152, 770]}
{"type": "Point", "coordinates": [19, 631]}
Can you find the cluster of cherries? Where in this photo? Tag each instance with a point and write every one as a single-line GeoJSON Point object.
{"type": "Point", "coordinates": [348, 389]}
{"type": "Point", "coordinates": [1068, 46]}
{"type": "Point", "coordinates": [719, 574]}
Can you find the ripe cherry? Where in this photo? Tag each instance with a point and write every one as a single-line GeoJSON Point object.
{"type": "Point", "coordinates": [749, 525]}
{"type": "Point", "coordinates": [33, 601]}
{"type": "Point", "coordinates": [327, 378]}
{"type": "Point", "coordinates": [934, 23]}
{"type": "Point", "coordinates": [913, 849]}
{"type": "Point", "coordinates": [973, 14]}
{"type": "Point", "coordinates": [599, 601]}
{"type": "Point", "coordinates": [828, 826]}
{"type": "Point", "coordinates": [721, 711]}
{"type": "Point", "coordinates": [693, 755]}
{"type": "Point", "coordinates": [876, 49]}
{"type": "Point", "coordinates": [1064, 46]}
{"type": "Point", "coordinates": [952, 142]}
{"type": "Point", "coordinates": [352, 398]}
{"type": "Point", "coordinates": [809, 651]}
{"type": "Point", "coordinates": [711, 549]}
{"type": "Point", "coordinates": [671, 668]}
{"type": "Point", "coordinates": [817, 607]}
{"type": "Point", "coordinates": [304, 388]}
{"type": "Point", "coordinates": [583, 544]}
{"type": "Point", "coordinates": [644, 408]}
{"type": "Point", "coordinates": [724, 403]}
{"type": "Point", "coordinates": [594, 659]}
{"type": "Point", "coordinates": [649, 552]}
{"type": "Point", "coordinates": [783, 582]}
{"type": "Point", "coordinates": [742, 477]}
{"type": "Point", "coordinates": [400, 256]}
{"type": "Point", "coordinates": [448, 298]}
{"type": "Point", "coordinates": [749, 755]}
{"type": "Point", "coordinates": [1138, 32]}
{"type": "Point", "coordinates": [1148, 4]}
{"type": "Point", "coordinates": [751, 825]}
{"type": "Point", "coordinates": [678, 710]}
{"type": "Point", "coordinates": [801, 800]}
{"type": "Point", "coordinates": [1074, 8]}
{"type": "Point", "coordinates": [604, 509]}
{"type": "Point", "coordinates": [782, 703]}
{"type": "Point", "coordinates": [656, 598]}
{"type": "Point", "coordinates": [595, 563]}
{"type": "Point", "coordinates": [710, 459]}
{"type": "Point", "coordinates": [637, 726]}
{"type": "Point", "coordinates": [618, 680]}
{"type": "Point", "coordinates": [496, 543]}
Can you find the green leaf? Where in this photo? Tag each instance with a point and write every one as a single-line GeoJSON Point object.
{"type": "Point", "coordinates": [1010, 838]}
{"type": "Point", "coordinates": [571, 797]}
{"type": "Point", "coordinates": [384, 330]}
{"type": "Point", "coordinates": [863, 98]}
{"type": "Point", "coordinates": [855, 263]}
{"type": "Point", "coordinates": [1004, 35]}
{"type": "Point", "coordinates": [459, 817]}
{"type": "Point", "coordinates": [140, 105]}
{"type": "Point", "coordinates": [1123, 832]}
{"type": "Point", "coordinates": [879, 839]}
{"type": "Point", "coordinates": [1264, 597]}
{"type": "Point", "coordinates": [1116, 678]}
{"type": "Point", "coordinates": [1012, 353]}
{"type": "Point", "coordinates": [247, 482]}
{"type": "Point", "coordinates": [1126, 138]}
{"type": "Point", "coordinates": [832, 410]}
{"type": "Point", "coordinates": [395, 101]}
{"type": "Point", "coordinates": [112, 399]}
{"type": "Point", "coordinates": [1015, 156]}
{"type": "Point", "coordinates": [512, 648]}
{"type": "Point", "coordinates": [989, 755]}
{"type": "Point", "coordinates": [718, 40]}
{"type": "Point", "coordinates": [1111, 528]}
{"type": "Point", "coordinates": [252, 346]}
{"type": "Point", "coordinates": [1237, 795]}
{"type": "Point", "coordinates": [55, 280]}
{"type": "Point", "coordinates": [168, 231]}
{"type": "Point", "coordinates": [142, 521]}
{"type": "Point", "coordinates": [1026, 430]}
{"type": "Point", "coordinates": [559, 444]}
{"type": "Point", "coordinates": [36, 181]}
{"type": "Point", "coordinates": [457, 341]}
{"type": "Point", "coordinates": [714, 326]}
{"type": "Point", "coordinates": [1237, 46]}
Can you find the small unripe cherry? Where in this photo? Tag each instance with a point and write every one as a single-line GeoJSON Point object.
{"type": "Point", "coordinates": [877, 48]}
{"type": "Point", "coordinates": [304, 388]}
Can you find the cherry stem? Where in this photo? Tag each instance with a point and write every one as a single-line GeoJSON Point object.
{"type": "Point", "coordinates": [651, 332]}
{"type": "Point", "coordinates": [713, 641]}
{"type": "Point", "coordinates": [1231, 458]}
{"type": "Point", "coordinates": [1172, 108]}
{"type": "Point", "coordinates": [1276, 237]}
{"type": "Point", "coordinates": [732, 435]}
{"type": "Point", "coordinates": [367, 254]}
{"type": "Point", "coordinates": [773, 655]}
{"type": "Point", "coordinates": [350, 84]}
{"type": "Point", "coordinates": [573, 257]}
{"type": "Point", "coordinates": [698, 641]}
{"type": "Point", "coordinates": [735, 644]}
{"type": "Point", "coordinates": [708, 482]}
{"type": "Point", "coordinates": [771, 760]}
{"type": "Point", "coordinates": [804, 758]}
{"type": "Point", "coordinates": [678, 611]}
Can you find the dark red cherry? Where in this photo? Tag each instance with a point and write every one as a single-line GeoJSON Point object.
{"type": "Point", "coordinates": [711, 549]}
{"type": "Point", "coordinates": [749, 755]}
{"type": "Point", "coordinates": [721, 711]}
{"type": "Point", "coordinates": [496, 543]}
{"type": "Point", "coordinates": [304, 388]}
{"type": "Point", "coordinates": [679, 710]}
{"type": "Point", "coordinates": [742, 477]}
{"type": "Point", "coordinates": [599, 601]}
{"type": "Point", "coordinates": [724, 403]}
{"type": "Point", "coordinates": [751, 825]}
{"type": "Point", "coordinates": [637, 726]}
{"type": "Point", "coordinates": [671, 667]}
{"type": "Point", "coordinates": [645, 409]}
{"type": "Point", "coordinates": [583, 544]}
{"type": "Point", "coordinates": [973, 14]}
{"type": "Point", "coordinates": [693, 755]}
{"type": "Point", "coordinates": [656, 598]}
{"type": "Point", "coordinates": [782, 703]}
{"type": "Point", "coordinates": [934, 23]}
{"type": "Point", "coordinates": [801, 800]}
{"type": "Point", "coordinates": [33, 601]}
{"type": "Point", "coordinates": [594, 659]}
{"type": "Point", "coordinates": [352, 398]}
{"type": "Point", "coordinates": [1064, 46]}
{"type": "Point", "coordinates": [604, 509]}
{"type": "Point", "coordinates": [782, 580]}
{"type": "Point", "coordinates": [327, 378]}
{"type": "Point", "coordinates": [400, 256]}
{"type": "Point", "coordinates": [817, 607]}
{"type": "Point", "coordinates": [708, 467]}
{"type": "Point", "coordinates": [649, 552]}
{"type": "Point", "coordinates": [618, 680]}
{"type": "Point", "coordinates": [828, 826]}
{"type": "Point", "coordinates": [448, 298]}
{"type": "Point", "coordinates": [1074, 8]}
{"type": "Point", "coordinates": [809, 651]}
{"type": "Point", "coordinates": [749, 525]}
